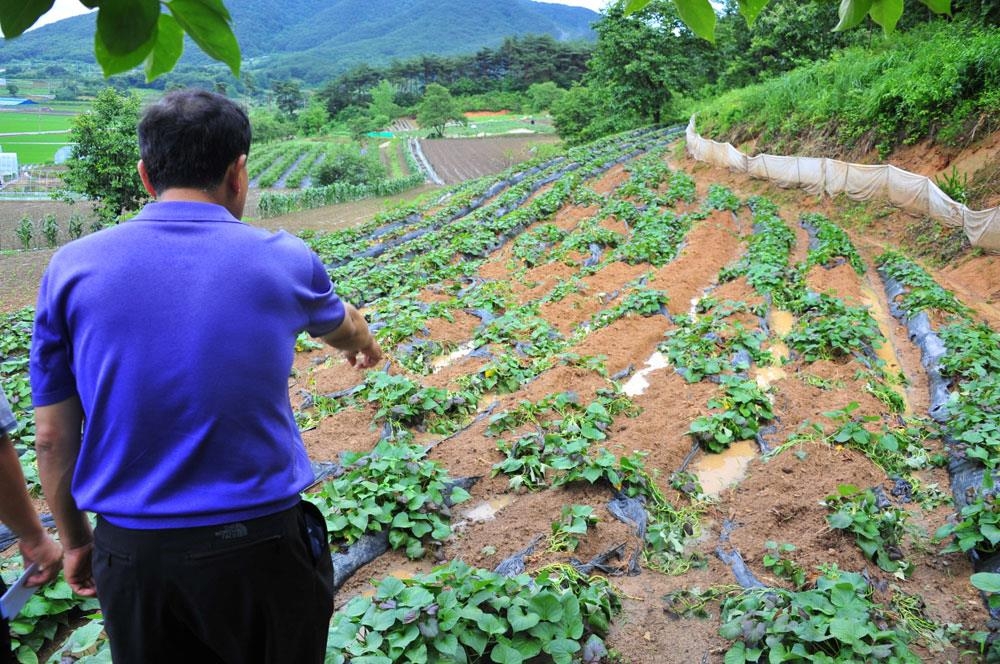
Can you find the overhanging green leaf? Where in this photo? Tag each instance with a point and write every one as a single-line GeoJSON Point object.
{"type": "Point", "coordinates": [751, 9]}
{"type": "Point", "coordinates": [633, 6]}
{"type": "Point", "coordinates": [938, 6]}
{"type": "Point", "coordinates": [699, 15]}
{"type": "Point", "coordinates": [126, 26]}
{"type": "Point", "coordinates": [16, 16]}
{"type": "Point", "coordinates": [115, 64]}
{"type": "Point", "coordinates": [887, 13]}
{"type": "Point", "coordinates": [852, 12]}
{"type": "Point", "coordinates": [218, 7]}
{"type": "Point", "coordinates": [168, 47]}
{"type": "Point", "coordinates": [209, 29]}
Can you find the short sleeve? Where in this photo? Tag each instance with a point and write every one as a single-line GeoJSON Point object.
{"type": "Point", "coordinates": [50, 365]}
{"type": "Point", "coordinates": [7, 422]}
{"type": "Point", "coordinates": [323, 307]}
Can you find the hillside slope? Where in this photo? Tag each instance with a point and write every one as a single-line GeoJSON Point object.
{"type": "Point", "coordinates": [316, 39]}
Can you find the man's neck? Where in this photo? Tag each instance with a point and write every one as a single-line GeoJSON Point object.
{"type": "Point", "coordinates": [188, 194]}
{"type": "Point", "coordinates": [192, 195]}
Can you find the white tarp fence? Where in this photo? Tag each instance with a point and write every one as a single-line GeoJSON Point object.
{"type": "Point", "coordinates": [907, 191]}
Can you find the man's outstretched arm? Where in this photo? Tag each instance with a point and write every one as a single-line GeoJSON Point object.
{"type": "Point", "coordinates": [355, 339]}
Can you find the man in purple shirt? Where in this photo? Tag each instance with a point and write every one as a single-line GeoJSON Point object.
{"type": "Point", "coordinates": [168, 341]}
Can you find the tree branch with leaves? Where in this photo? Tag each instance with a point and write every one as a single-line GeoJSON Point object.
{"type": "Point", "coordinates": [141, 32]}
{"type": "Point", "coordinates": [699, 15]}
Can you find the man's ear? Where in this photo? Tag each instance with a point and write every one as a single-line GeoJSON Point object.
{"type": "Point", "coordinates": [235, 174]}
{"type": "Point", "coordinates": [144, 176]}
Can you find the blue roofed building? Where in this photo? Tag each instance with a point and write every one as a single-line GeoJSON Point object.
{"type": "Point", "coordinates": [15, 102]}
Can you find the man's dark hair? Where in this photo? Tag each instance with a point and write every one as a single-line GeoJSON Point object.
{"type": "Point", "coordinates": [189, 138]}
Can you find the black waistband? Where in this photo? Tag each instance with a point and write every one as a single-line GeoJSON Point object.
{"type": "Point", "coordinates": [222, 535]}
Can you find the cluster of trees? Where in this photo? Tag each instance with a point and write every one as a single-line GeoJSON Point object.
{"type": "Point", "coordinates": [515, 66]}
{"type": "Point", "coordinates": [105, 153]}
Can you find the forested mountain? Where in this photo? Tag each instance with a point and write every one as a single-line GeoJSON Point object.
{"type": "Point", "coordinates": [314, 40]}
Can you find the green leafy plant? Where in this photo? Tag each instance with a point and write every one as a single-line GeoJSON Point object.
{"type": "Point", "coordinates": [973, 350]}
{"type": "Point", "coordinates": [504, 374]}
{"type": "Point", "coordinates": [878, 528]}
{"type": "Point", "coordinates": [50, 609]}
{"type": "Point", "coordinates": [462, 614]}
{"type": "Point", "coordinates": [561, 438]}
{"type": "Point", "coordinates": [305, 343]}
{"type": "Point", "coordinates": [86, 644]}
{"type": "Point", "coordinates": [523, 329]}
{"type": "Point", "coordinates": [641, 301]}
{"type": "Point", "coordinates": [318, 407]}
{"type": "Point", "coordinates": [832, 242]}
{"type": "Point", "coordinates": [777, 564]}
{"type": "Point", "coordinates": [126, 36]}
{"type": "Point", "coordinates": [405, 403]}
{"type": "Point", "coordinates": [705, 345]}
{"type": "Point", "coordinates": [50, 230]}
{"type": "Point", "coordinates": [721, 198]}
{"type": "Point", "coordinates": [393, 488]}
{"type": "Point", "coordinates": [533, 246]}
{"type": "Point", "coordinates": [922, 291]}
{"type": "Point", "coordinates": [978, 527]}
{"type": "Point", "coordinates": [688, 484]}
{"type": "Point", "coordinates": [827, 329]}
{"type": "Point", "coordinates": [572, 523]}
{"type": "Point", "coordinates": [834, 622]}
{"type": "Point", "coordinates": [25, 232]}
{"type": "Point", "coordinates": [955, 185]}
{"type": "Point", "coordinates": [820, 382]}
{"type": "Point", "coordinates": [743, 408]}
{"type": "Point", "coordinates": [879, 388]}
{"type": "Point", "coordinates": [693, 603]}
{"type": "Point", "coordinates": [973, 359]}
{"type": "Point", "coordinates": [974, 423]}
{"type": "Point", "coordinates": [988, 642]}
{"type": "Point", "coordinates": [765, 263]}
{"type": "Point", "coordinates": [74, 227]}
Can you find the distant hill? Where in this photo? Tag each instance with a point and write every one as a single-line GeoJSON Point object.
{"type": "Point", "coordinates": [314, 40]}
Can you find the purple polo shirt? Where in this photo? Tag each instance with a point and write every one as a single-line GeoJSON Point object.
{"type": "Point", "coordinates": [176, 329]}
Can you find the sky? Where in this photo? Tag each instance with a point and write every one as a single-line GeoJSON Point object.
{"type": "Point", "coordinates": [66, 8]}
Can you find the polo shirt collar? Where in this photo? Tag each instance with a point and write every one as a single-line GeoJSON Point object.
{"type": "Point", "coordinates": [184, 211]}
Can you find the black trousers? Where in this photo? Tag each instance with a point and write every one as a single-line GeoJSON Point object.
{"type": "Point", "coordinates": [250, 592]}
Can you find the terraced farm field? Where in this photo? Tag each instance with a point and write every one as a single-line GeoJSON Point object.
{"type": "Point", "coordinates": [627, 416]}
{"type": "Point", "coordinates": [686, 393]}
{"type": "Point", "coordinates": [459, 159]}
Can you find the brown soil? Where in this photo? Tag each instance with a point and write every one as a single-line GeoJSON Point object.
{"type": "Point", "coordinates": [458, 159]}
{"type": "Point", "coordinates": [486, 114]}
{"type": "Point", "coordinates": [775, 500]}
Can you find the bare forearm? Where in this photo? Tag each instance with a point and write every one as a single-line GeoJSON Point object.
{"type": "Point", "coordinates": [16, 510]}
{"type": "Point", "coordinates": [57, 445]}
{"type": "Point", "coordinates": [352, 334]}
{"type": "Point", "coordinates": [355, 340]}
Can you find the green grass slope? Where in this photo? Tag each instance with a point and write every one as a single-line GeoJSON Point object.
{"type": "Point", "coordinates": [940, 81]}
